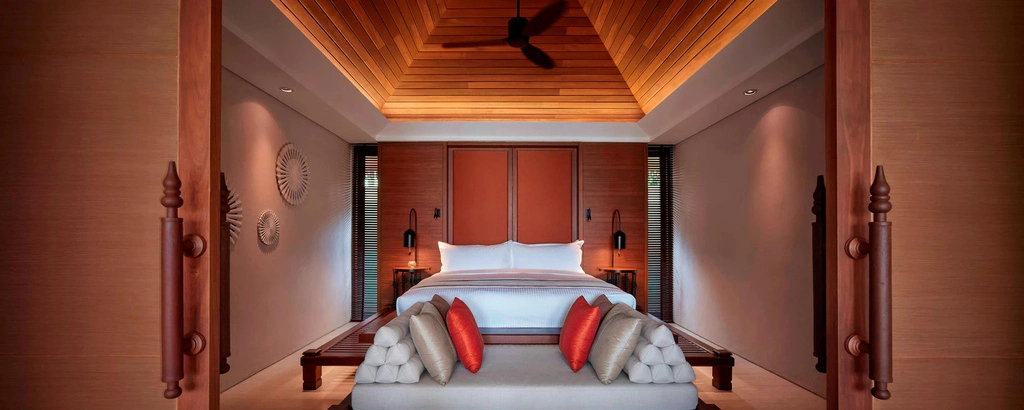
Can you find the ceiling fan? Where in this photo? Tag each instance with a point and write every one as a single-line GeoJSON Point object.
{"type": "Point", "coordinates": [519, 32]}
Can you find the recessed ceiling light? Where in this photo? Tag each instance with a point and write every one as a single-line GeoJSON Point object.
{"type": "Point", "coordinates": [751, 91]}
{"type": "Point", "coordinates": [286, 89]}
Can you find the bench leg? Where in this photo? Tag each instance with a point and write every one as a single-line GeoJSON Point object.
{"type": "Point", "coordinates": [721, 377]}
{"type": "Point", "coordinates": [311, 377]}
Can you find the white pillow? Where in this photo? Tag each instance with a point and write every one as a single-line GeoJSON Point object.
{"type": "Point", "coordinates": [548, 256]}
{"type": "Point", "coordinates": [475, 257]}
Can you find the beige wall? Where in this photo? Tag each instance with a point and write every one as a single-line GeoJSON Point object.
{"type": "Point", "coordinates": [285, 297]}
{"type": "Point", "coordinates": [743, 229]}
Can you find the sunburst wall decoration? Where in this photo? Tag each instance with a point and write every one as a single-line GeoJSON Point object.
{"type": "Point", "coordinates": [268, 228]}
{"type": "Point", "coordinates": [292, 174]}
{"type": "Point", "coordinates": [234, 214]}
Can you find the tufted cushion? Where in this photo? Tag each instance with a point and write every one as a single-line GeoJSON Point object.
{"type": "Point", "coordinates": [366, 373]}
{"type": "Point", "coordinates": [411, 371]}
{"type": "Point", "coordinates": [647, 353]}
{"type": "Point", "coordinates": [469, 343]}
{"type": "Point", "coordinates": [578, 331]}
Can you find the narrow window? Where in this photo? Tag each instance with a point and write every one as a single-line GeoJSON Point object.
{"type": "Point", "coordinates": [364, 231]}
{"type": "Point", "coordinates": [659, 231]}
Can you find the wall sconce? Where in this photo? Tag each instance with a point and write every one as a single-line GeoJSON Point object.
{"type": "Point", "coordinates": [409, 238]}
{"type": "Point", "coordinates": [618, 237]}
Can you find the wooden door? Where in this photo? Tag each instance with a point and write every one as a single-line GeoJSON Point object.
{"type": "Point", "coordinates": [91, 116]}
{"type": "Point", "coordinates": [932, 93]}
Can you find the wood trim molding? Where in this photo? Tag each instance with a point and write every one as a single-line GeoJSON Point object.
{"type": "Point", "coordinates": [199, 70]}
{"type": "Point", "coordinates": [847, 177]}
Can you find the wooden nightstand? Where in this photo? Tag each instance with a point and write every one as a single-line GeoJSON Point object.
{"type": "Point", "coordinates": [624, 278]}
{"type": "Point", "coordinates": [404, 277]}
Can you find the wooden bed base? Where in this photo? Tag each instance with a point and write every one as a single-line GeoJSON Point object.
{"type": "Point", "coordinates": [349, 348]}
{"type": "Point", "coordinates": [347, 405]}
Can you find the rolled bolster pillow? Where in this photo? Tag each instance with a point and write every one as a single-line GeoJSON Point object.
{"type": "Point", "coordinates": [411, 371]}
{"type": "Point", "coordinates": [400, 353]}
{"type": "Point", "coordinates": [647, 353]}
{"type": "Point", "coordinates": [375, 355]}
{"type": "Point", "coordinates": [657, 333]}
{"type": "Point", "coordinates": [662, 373]}
{"type": "Point", "coordinates": [397, 329]}
{"type": "Point", "coordinates": [366, 373]}
{"type": "Point", "coordinates": [391, 333]}
{"type": "Point", "coordinates": [682, 373]}
{"type": "Point", "coordinates": [386, 374]}
{"type": "Point", "coordinates": [673, 355]}
{"type": "Point", "coordinates": [637, 371]}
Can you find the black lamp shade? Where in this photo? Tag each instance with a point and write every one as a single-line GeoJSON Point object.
{"type": "Point", "coordinates": [409, 239]}
{"type": "Point", "coordinates": [619, 240]}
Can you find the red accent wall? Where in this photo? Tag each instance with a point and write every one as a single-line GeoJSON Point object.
{"type": "Point", "coordinates": [480, 196]}
{"type": "Point", "coordinates": [545, 195]}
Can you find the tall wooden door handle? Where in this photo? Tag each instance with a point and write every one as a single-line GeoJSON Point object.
{"type": "Point", "coordinates": [820, 266]}
{"type": "Point", "coordinates": [879, 248]}
{"type": "Point", "coordinates": [225, 274]}
{"type": "Point", "coordinates": [174, 247]}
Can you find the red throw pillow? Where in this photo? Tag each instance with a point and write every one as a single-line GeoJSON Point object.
{"type": "Point", "coordinates": [578, 332]}
{"type": "Point", "coordinates": [469, 343]}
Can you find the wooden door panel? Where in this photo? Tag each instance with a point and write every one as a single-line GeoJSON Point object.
{"type": "Point", "coordinates": [91, 115]}
{"type": "Point", "coordinates": [545, 203]}
{"type": "Point", "coordinates": [480, 196]}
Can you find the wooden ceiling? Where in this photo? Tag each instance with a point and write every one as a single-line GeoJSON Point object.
{"type": "Point", "coordinates": [615, 59]}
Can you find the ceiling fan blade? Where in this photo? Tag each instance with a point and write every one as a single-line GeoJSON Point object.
{"type": "Point", "coordinates": [545, 18]}
{"type": "Point", "coordinates": [538, 56]}
{"type": "Point", "coordinates": [477, 43]}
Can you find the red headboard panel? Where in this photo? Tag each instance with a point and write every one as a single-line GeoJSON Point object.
{"type": "Point", "coordinates": [480, 196]}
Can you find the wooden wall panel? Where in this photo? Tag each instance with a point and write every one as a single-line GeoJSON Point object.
{"type": "Point", "coordinates": [412, 175]}
{"type": "Point", "coordinates": [91, 120]}
{"type": "Point", "coordinates": [545, 195]}
{"type": "Point", "coordinates": [480, 209]}
{"type": "Point", "coordinates": [946, 104]}
{"type": "Point", "coordinates": [614, 176]}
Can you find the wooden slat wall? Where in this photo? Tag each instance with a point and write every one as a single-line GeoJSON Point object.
{"type": "Point", "coordinates": [614, 176]}
{"type": "Point", "coordinates": [658, 45]}
{"type": "Point", "coordinates": [946, 107]}
{"type": "Point", "coordinates": [412, 175]}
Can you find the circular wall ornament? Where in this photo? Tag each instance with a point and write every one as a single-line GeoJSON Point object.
{"type": "Point", "coordinates": [292, 174]}
{"type": "Point", "coordinates": [234, 214]}
{"type": "Point", "coordinates": [268, 228]}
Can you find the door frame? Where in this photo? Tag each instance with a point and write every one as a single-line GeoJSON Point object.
{"type": "Point", "coordinates": [847, 178]}
{"type": "Point", "coordinates": [199, 72]}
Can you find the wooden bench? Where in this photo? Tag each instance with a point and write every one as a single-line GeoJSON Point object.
{"type": "Point", "coordinates": [349, 348]}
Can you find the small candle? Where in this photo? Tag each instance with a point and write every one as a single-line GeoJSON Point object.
{"type": "Point", "coordinates": [412, 264]}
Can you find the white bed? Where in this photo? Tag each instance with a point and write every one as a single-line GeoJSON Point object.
{"type": "Point", "coordinates": [506, 298]}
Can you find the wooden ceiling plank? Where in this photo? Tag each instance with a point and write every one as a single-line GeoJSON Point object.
{"type": "Point", "coordinates": [672, 61]}
{"type": "Point", "coordinates": [395, 105]}
{"type": "Point", "coordinates": [388, 34]}
{"type": "Point", "coordinates": [576, 111]}
{"type": "Point", "coordinates": [503, 22]}
{"type": "Point", "coordinates": [345, 36]}
{"type": "Point", "coordinates": [369, 26]}
{"type": "Point", "coordinates": [731, 30]}
{"type": "Point", "coordinates": [614, 18]}
{"type": "Point", "coordinates": [599, 78]}
{"type": "Point", "coordinates": [636, 49]}
{"type": "Point", "coordinates": [631, 25]}
{"type": "Point", "coordinates": [403, 44]}
{"type": "Point", "coordinates": [433, 12]}
{"type": "Point", "coordinates": [504, 97]}
{"type": "Point", "coordinates": [680, 29]}
{"type": "Point", "coordinates": [502, 69]}
{"type": "Point", "coordinates": [475, 92]}
{"type": "Point", "coordinates": [411, 36]}
{"type": "Point", "coordinates": [348, 67]}
{"type": "Point", "coordinates": [415, 21]}
{"type": "Point", "coordinates": [424, 12]}
{"type": "Point", "coordinates": [361, 28]}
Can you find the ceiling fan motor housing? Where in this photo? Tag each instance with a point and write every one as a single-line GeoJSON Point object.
{"type": "Point", "coordinates": [516, 39]}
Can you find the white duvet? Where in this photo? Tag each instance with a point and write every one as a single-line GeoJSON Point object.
{"type": "Point", "coordinates": [513, 297]}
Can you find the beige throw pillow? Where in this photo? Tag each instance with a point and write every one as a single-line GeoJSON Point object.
{"type": "Point", "coordinates": [616, 338]}
{"type": "Point", "coordinates": [433, 344]}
